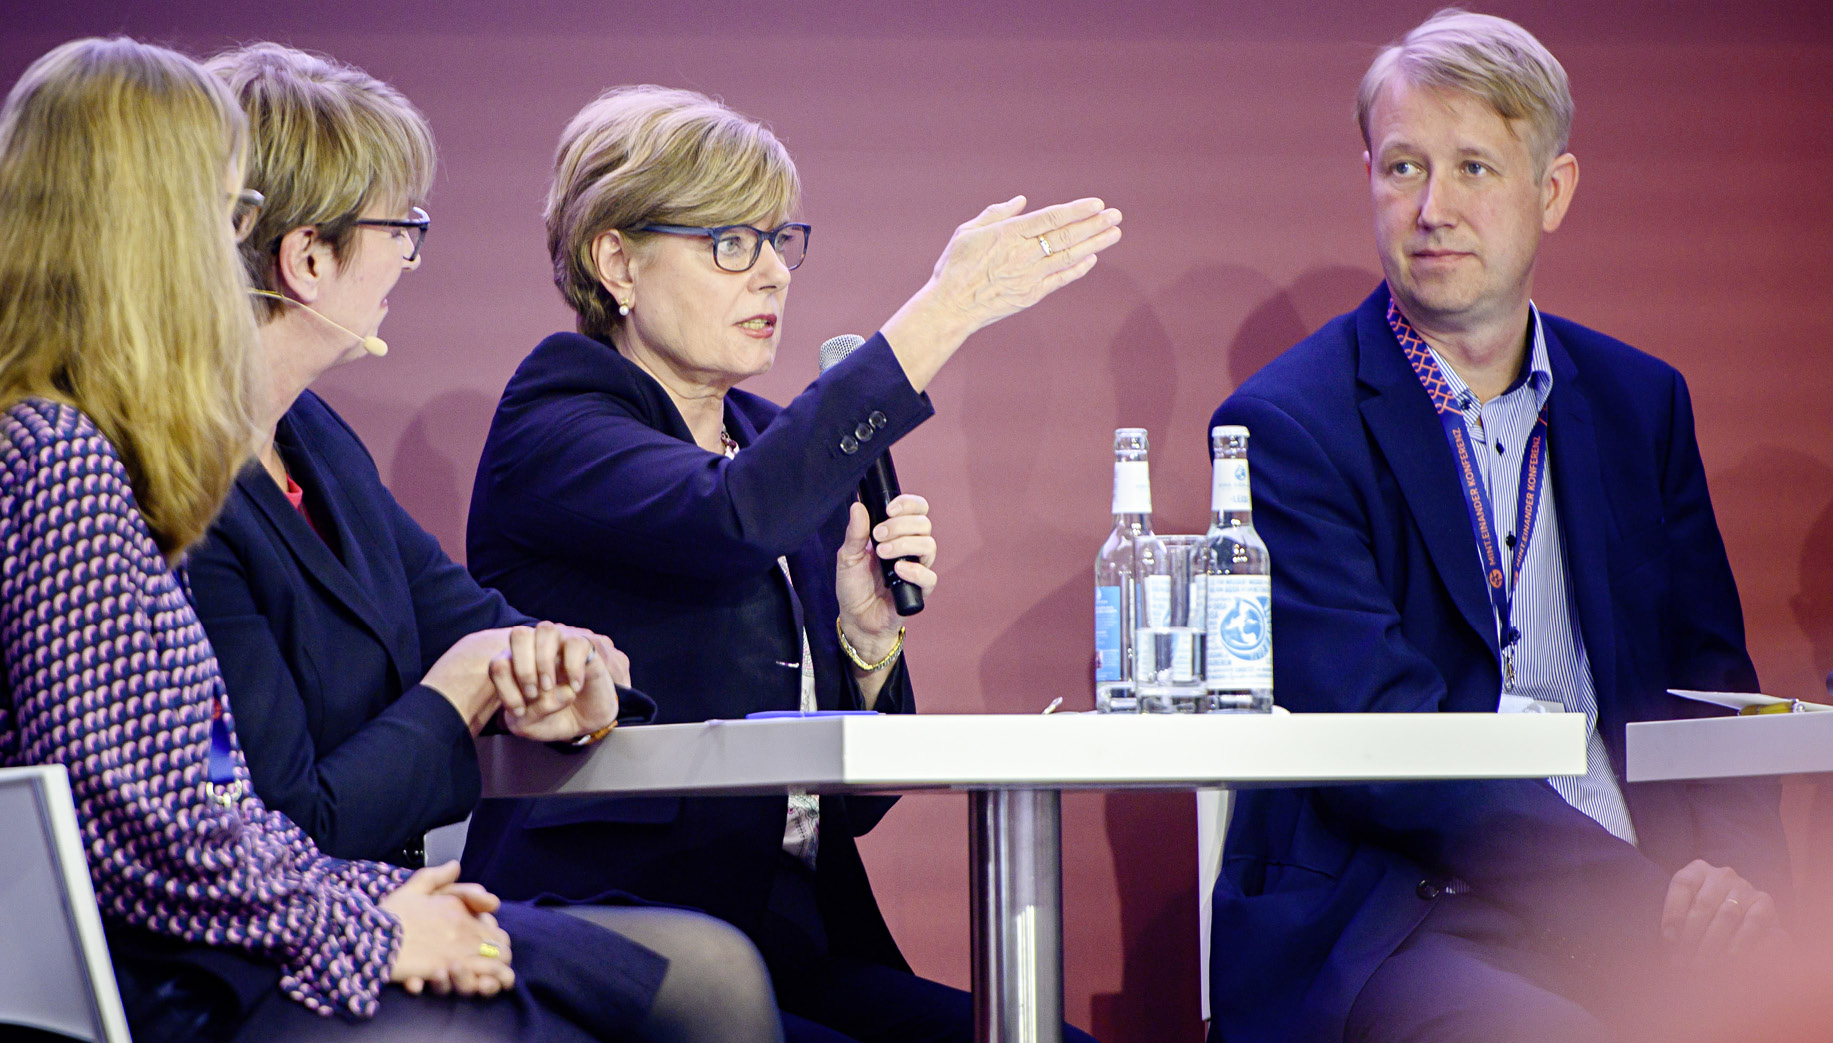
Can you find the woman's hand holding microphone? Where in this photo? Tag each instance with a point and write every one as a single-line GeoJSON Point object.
{"type": "Point", "coordinates": [870, 627]}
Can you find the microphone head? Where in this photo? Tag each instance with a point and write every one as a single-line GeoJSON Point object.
{"type": "Point", "coordinates": [837, 348]}
{"type": "Point", "coordinates": [375, 346]}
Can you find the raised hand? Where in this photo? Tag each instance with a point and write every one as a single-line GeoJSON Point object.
{"type": "Point", "coordinates": [999, 263]}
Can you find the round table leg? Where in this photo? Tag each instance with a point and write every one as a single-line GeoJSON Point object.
{"type": "Point", "coordinates": [1015, 851]}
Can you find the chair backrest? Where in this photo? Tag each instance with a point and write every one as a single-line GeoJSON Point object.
{"type": "Point", "coordinates": [1213, 808]}
{"type": "Point", "coordinates": [54, 969]}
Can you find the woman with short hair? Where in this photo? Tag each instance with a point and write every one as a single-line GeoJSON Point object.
{"type": "Point", "coordinates": [130, 401]}
{"type": "Point", "coordinates": [362, 662]}
{"type": "Point", "coordinates": [631, 486]}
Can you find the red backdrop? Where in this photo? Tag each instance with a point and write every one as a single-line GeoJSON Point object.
{"type": "Point", "coordinates": [1702, 231]}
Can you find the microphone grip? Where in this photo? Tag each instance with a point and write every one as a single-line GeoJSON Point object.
{"type": "Point", "coordinates": [876, 490]}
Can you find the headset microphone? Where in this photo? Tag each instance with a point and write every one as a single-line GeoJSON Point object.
{"type": "Point", "coordinates": [374, 345]}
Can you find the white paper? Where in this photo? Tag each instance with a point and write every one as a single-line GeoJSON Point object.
{"type": "Point", "coordinates": [1740, 700]}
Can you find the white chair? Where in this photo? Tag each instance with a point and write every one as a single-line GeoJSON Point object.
{"type": "Point", "coordinates": [447, 842]}
{"type": "Point", "coordinates": [55, 974]}
{"type": "Point", "coordinates": [1213, 806]}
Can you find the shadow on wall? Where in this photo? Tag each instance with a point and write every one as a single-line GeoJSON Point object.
{"type": "Point", "coordinates": [1152, 838]}
{"type": "Point", "coordinates": [1812, 606]}
{"type": "Point", "coordinates": [1168, 364]}
{"type": "Point", "coordinates": [433, 486]}
{"type": "Point", "coordinates": [1294, 313]}
{"type": "Point", "coordinates": [1813, 602]}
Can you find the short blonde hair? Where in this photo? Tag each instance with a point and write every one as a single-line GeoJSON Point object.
{"type": "Point", "coordinates": [652, 155]}
{"type": "Point", "coordinates": [327, 141]}
{"type": "Point", "coordinates": [1489, 57]}
{"type": "Point", "coordinates": [120, 290]}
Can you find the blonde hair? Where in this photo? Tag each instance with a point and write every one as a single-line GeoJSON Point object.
{"type": "Point", "coordinates": [120, 291]}
{"type": "Point", "coordinates": [652, 155]}
{"type": "Point", "coordinates": [1489, 57]}
{"type": "Point", "coordinates": [327, 141]}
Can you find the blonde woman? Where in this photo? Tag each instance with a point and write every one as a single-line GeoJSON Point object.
{"type": "Point", "coordinates": [313, 562]}
{"type": "Point", "coordinates": [127, 407]}
{"type": "Point", "coordinates": [631, 484]}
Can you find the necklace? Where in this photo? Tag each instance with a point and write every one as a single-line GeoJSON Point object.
{"type": "Point", "coordinates": [726, 441]}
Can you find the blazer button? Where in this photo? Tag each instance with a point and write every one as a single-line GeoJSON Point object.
{"type": "Point", "coordinates": [849, 445]}
{"type": "Point", "coordinates": [1428, 890]}
{"type": "Point", "coordinates": [878, 420]}
{"type": "Point", "coordinates": [864, 432]}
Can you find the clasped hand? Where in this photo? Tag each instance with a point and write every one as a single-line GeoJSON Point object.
{"type": "Point", "coordinates": [450, 940]}
{"type": "Point", "coordinates": [550, 682]}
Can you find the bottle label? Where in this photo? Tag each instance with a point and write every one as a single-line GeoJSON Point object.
{"type": "Point", "coordinates": [1228, 487]}
{"type": "Point", "coordinates": [1240, 651]}
{"type": "Point", "coordinates": [1132, 487]}
{"type": "Point", "coordinates": [1154, 611]}
{"type": "Point", "coordinates": [1155, 603]}
{"type": "Point", "coordinates": [1107, 634]}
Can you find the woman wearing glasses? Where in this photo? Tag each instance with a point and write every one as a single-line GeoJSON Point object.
{"type": "Point", "coordinates": [631, 486]}
{"type": "Point", "coordinates": [128, 402]}
{"type": "Point", "coordinates": [361, 662]}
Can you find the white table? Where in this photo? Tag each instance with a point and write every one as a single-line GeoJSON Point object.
{"type": "Point", "coordinates": [1729, 747]}
{"type": "Point", "coordinates": [1014, 768]}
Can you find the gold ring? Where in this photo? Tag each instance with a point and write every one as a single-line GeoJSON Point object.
{"type": "Point", "coordinates": [1045, 243]}
{"type": "Point", "coordinates": [489, 951]}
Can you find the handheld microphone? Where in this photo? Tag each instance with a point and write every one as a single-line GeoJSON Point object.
{"type": "Point", "coordinates": [877, 489]}
{"type": "Point", "coordinates": [374, 345]}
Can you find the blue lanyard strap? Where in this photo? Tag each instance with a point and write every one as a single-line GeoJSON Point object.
{"type": "Point", "coordinates": [1476, 494]}
{"type": "Point", "coordinates": [222, 785]}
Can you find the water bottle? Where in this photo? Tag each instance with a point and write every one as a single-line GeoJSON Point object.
{"type": "Point", "coordinates": [1239, 671]}
{"type": "Point", "coordinates": [1131, 549]}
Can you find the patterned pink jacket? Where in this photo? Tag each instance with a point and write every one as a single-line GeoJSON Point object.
{"type": "Point", "coordinates": [108, 672]}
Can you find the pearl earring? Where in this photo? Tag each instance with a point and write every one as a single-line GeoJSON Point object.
{"type": "Point", "coordinates": [623, 309]}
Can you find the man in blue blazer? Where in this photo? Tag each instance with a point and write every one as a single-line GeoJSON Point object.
{"type": "Point", "coordinates": [1473, 506]}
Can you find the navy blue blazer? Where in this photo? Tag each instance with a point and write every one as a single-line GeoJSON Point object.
{"type": "Point", "coordinates": [593, 506]}
{"type": "Point", "coordinates": [1379, 605]}
{"type": "Point", "coordinates": [323, 641]}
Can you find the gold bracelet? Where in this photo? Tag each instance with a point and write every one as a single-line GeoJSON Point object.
{"type": "Point", "coordinates": [851, 653]}
{"type": "Point", "coordinates": [592, 737]}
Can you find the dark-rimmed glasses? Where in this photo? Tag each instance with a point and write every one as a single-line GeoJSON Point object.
{"type": "Point", "coordinates": [410, 230]}
{"type": "Point", "coordinates": [247, 211]}
{"type": "Point", "coordinates": [736, 248]}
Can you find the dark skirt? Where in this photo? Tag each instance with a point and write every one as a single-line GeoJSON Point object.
{"type": "Point", "coordinates": [574, 980]}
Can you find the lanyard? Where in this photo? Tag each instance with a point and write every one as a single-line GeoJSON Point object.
{"type": "Point", "coordinates": [221, 786]}
{"type": "Point", "coordinates": [1476, 493]}
{"type": "Point", "coordinates": [222, 762]}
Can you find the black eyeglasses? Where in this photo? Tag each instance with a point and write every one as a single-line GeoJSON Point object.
{"type": "Point", "coordinates": [247, 211]}
{"type": "Point", "coordinates": [410, 230]}
{"type": "Point", "coordinates": [737, 247]}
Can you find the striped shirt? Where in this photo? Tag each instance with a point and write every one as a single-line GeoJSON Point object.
{"type": "Point", "coordinates": [1549, 657]}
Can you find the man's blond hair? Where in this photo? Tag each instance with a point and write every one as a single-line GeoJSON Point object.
{"type": "Point", "coordinates": [1485, 56]}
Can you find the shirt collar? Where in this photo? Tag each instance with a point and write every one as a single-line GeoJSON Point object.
{"type": "Point", "coordinates": [1539, 374]}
